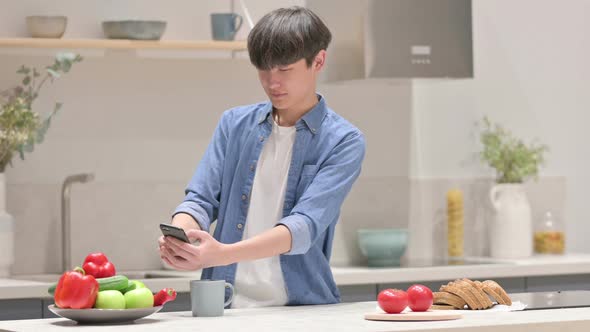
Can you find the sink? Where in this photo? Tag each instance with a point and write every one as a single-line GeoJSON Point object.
{"type": "Point", "coordinates": [54, 277]}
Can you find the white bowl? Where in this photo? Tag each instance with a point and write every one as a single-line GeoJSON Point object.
{"type": "Point", "coordinates": [47, 26]}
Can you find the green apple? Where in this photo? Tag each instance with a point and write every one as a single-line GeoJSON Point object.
{"type": "Point", "coordinates": [139, 298]}
{"type": "Point", "coordinates": [133, 284]}
{"type": "Point", "coordinates": [110, 299]}
{"type": "Point", "coordinates": [138, 284]}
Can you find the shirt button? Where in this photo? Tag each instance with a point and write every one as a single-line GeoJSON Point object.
{"type": "Point", "coordinates": [313, 130]}
{"type": "Point", "coordinates": [244, 197]}
{"type": "Point", "coordinates": [240, 226]}
{"type": "Point", "coordinates": [261, 138]}
{"type": "Point", "coordinates": [252, 168]}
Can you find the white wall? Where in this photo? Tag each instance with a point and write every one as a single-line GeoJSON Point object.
{"type": "Point", "coordinates": [141, 124]}
{"type": "Point", "coordinates": [531, 74]}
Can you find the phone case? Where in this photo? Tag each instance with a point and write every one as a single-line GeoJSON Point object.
{"type": "Point", "coordinates": [176, 232]}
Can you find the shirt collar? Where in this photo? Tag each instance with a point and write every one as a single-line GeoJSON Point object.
{"type": "Point", "coordinates": [312, 119]}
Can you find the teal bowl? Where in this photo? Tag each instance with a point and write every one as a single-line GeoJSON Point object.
{"type": "Point", "coordinates": [383, 247]}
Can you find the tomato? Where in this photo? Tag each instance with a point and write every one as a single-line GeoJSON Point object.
{"type": "Point", "coordinates": [392, 301]}
{"type": "Point", "coordinates": [419, 297]}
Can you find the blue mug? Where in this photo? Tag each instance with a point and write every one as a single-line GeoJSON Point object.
{"type": "Point", "coordinates": [225, 25]}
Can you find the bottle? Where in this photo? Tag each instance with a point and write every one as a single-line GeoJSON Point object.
{"type": "Point", "coordinates": [549, 235]}
{"type": "Point", "coordinates": [455, 223]}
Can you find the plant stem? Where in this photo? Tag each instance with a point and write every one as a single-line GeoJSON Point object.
{"type": "Point", "coordinates": [41, 84]}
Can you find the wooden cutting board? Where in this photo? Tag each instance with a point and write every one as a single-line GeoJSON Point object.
{"type": "Point", "coordinates": [415, 316]}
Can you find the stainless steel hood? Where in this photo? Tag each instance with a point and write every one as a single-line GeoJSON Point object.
{"type": "Point", "coordinates": [397, 38]}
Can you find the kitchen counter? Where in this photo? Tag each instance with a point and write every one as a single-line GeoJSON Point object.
{"type": "Point", "coordinates": [541, 265]}
{"type": "Point", "coordinates": [337, 317]}
{"type": "Point", "coordinates": [569, 264]}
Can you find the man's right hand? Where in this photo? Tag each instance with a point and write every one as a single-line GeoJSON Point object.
{"type": "Point", "coordinates": [182, 220]}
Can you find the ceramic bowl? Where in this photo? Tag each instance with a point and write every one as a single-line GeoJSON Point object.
{"type": "Point", "coordinates": [47, 26]}
{"type": "Point", "coordinates": [383, 247]}
{"type": "Point", "coordinates": [137, 30]}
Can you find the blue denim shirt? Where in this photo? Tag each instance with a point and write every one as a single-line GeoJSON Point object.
{"type": "Point", "coordinates": [327, 156]}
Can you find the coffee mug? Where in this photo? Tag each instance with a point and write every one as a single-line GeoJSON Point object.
{"type": "Point", "coordinates": [225, 25]}
{"type": "Point", "coordinates": [207, 297]}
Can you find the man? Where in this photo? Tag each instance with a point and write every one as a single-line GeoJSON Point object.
{"type": "Point", "coordinates": [274, 177]}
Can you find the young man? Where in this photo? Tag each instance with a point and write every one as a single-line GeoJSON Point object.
{"type": "Point", "coordinates": [274, 177]}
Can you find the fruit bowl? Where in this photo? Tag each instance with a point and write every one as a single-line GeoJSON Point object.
{"type": "Point", "coordinates": [103, 316]}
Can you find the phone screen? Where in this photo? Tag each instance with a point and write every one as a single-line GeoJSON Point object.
{"type": "Point", "coordinates": [176, 232]}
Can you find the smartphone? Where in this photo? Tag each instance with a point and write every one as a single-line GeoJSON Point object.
{"type": "Point", "coordinates": [176, 232]}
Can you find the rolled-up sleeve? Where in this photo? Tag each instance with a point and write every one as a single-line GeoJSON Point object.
{"type": "Point", "coordinates": [204, 189]}
{"type": "Point", "coordinates": [320, 204]}
{"type": "Point", "coordinates": [300, 234]}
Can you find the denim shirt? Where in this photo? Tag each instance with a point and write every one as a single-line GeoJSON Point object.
{"type": "Point", "coordinates": [327, 157]}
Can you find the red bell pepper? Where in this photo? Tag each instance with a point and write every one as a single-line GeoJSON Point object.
{"type": "Point", "coordinates": [76, 290]}
{"type": "Point", "coordinates": [98, 266]}
{"type": "Point", "coordinates": [163, 296]}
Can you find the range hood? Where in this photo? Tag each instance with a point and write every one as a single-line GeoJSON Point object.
{"type": "Point", "coordinates": [397, 38]}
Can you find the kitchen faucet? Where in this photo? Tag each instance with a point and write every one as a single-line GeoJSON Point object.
{"type": "Point", "coordinates": [66, 239]}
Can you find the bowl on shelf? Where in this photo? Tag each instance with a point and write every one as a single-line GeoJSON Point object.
{"type": "Point", "coordinates": [47, 26]}
{"type": "Point", "coordinates": [383, 246]}
{"type": "Point", "coordinates": [134, 29]}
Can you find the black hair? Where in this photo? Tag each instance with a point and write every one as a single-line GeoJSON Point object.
{"type": "Point", "coordinates": [285, 36]}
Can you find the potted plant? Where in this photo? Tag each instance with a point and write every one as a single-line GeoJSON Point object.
{"type": "Point", "coordinates": [514, 162]}
{"type": "Point", "coordinates": [20, 129]}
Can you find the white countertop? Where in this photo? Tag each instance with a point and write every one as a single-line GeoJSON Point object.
{"type": "Point", "coordinates": [344, 276]}
{"type": "Point", "coordinates": [542, 265]}
{"type": "Point", "coordinates": [338, 317]}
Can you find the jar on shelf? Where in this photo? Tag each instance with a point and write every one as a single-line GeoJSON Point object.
{"type": "Point", "coordinates": [549, 235]}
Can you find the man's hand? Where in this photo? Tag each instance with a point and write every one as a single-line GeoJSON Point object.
{"type": "Point", "coordinates": [188, 257]}
{"type": "Point", "coordinates": [210, 252]}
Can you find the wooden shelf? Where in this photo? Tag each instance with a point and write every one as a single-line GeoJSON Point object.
{"type": "Point", "coordinates": [123, 44]}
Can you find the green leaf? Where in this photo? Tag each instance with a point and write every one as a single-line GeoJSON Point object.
{"type": "Point", "coordinates": [54, 74]}
{"type": "Point", "coordinates": [29, 146]}
{"type": "Point", "coordinates": [21, 126]}
{"type": "Point", "coordinates": [513, 160]}
{"type": "Point", "coordinates": [56, 109]}
{"type": "Point", "coordinates": [23, 70]}
{"type": "Point", "coordinates": [40, 135]}
{"type": "Point", "coordinates": [66, 56]}
{"type": "Point", "coordinates": [66, 66]}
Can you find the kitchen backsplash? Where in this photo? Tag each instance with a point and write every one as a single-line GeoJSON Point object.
{"type": "Point", "coordinates": [428, 224]}
{"type": "Point", "coordinates": [420, 205]}
{"type": "Point", "coordinates": [141, 126]}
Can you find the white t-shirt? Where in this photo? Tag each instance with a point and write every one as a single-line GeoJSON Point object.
{"type": "Point", "coordinates": [260, 282]}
